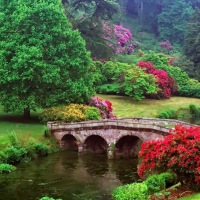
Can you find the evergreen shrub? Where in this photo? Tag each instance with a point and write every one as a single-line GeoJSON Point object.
{"type": "Point", "coordinates": [14, 154]}
{"type": "Point", "coordinates": [41, 149]}
{"type": "Point", "coordinates": [189, 91]}
{"type": "Point", "coordinates": [193, 110]}
{"type": "Point", "coordinates": [141, 191]}
{"type": "Point", "coordinates": [156, 183]}
{"type": "Point", "coordinates": [108, 89]}
{"type": "Point", "coordinates": [92, 113]}
{"type": "Point", "coordinates": [134, 191]}
{"type": "Point", "coordinates": [167, 114]}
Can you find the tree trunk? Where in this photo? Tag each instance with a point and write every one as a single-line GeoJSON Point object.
{"type": "Point", "coordinates": [27, 113]}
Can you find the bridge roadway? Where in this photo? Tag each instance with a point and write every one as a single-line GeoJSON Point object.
{"type": "Point", "coordinates": [117, 137]}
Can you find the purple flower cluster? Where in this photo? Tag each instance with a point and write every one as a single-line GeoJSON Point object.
{"type": "Point", "coordinates": [119, 38]}
{"type": "Point", "coordinates": [104, 107]}
{"type": "Point", "coordinates": [166, 45]}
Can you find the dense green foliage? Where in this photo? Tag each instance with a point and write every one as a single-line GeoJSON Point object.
{"type": "Point", "coordinates": [43, 62]}
{"type": "Point", "coordinates": [161, 61]}
{"type": "Point", "coordinates": [20, 150]}
{"type": "Point", "coordinates": [6, 168]}
{"type": "Point", "coordinates": [173, 19]}
{"type": "Point", "coordinates": [192, 42]}
{"type": "Point", "coordinates": [134, 191]}
{"type": "Point", "coordinates": [160, 80]}
{"type": "Point", "coordinates": [49, 198]}
{"type": "Point", "coordinates": [167, 114]}
{"type": "Point", "coordinates": [156, 183]}
{"type": "Point", "coordinates": [137, 84]}
{"type": "Point", "coordinates": [142, 191]}
{"type": "Point", "coordinates": [190, 91]}
{"type": "Point", "coordinates": [125, 79]}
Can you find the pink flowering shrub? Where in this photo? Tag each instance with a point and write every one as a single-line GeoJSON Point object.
{"type": "Point", "coordinates": [104, 107]}
{"type": "Point", "coordinates": [166, 45]}
{"type": "Point", "coordinates": [119, 38]}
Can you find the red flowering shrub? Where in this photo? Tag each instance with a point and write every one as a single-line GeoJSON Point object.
{"type": "Point", "coordinates": [104, 107]}
{"type": "Point", "coordinates": [179, 152]}
{"type": "Point", "coordinates": [165, 83]}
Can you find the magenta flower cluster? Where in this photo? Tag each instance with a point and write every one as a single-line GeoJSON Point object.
{"type": "Point", "coordinates": [119, 38]}
{"type": "Point", "coordinates": [166, 45]}
{"type": "Point", "coordinates": [104, 107]}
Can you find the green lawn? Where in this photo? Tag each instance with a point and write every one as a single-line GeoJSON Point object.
{"type": "Point", "coordinates": [123, 107]}
{"type": "Point", "coordinates": [23, 128]}
{"type": "Point", "coordinates": [193, 197]}
{"type": "Point", "coordinates": [127, 107]}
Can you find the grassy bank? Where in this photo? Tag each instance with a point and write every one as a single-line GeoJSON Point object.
{"type": "Point", "coordinates": [24, 128]}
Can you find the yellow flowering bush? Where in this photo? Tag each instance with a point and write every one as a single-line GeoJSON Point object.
{"type": "Point", "coordinates": [70, 113]}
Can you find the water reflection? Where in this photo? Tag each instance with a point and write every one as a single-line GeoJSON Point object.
{"type": "Point", "coordinates": [95, 165]}
{"type": "Point", "coordinates": [67, 176]}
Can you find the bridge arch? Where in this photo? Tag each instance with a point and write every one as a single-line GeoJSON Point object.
{"type": "Point", "coordinates": [69, 142]}
{"type": "Point", "coordinates": [132, 133]}
{"type": "Point", "coordinates": [95, 143]}
{"type": "Point", "coordinates": [127, 146]}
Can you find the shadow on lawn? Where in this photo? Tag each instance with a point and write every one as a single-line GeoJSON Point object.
{"type": "Point", "coordinates": [18, 118]}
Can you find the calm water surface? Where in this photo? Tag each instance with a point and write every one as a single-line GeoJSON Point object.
{"type": "Point", "coordinates": [69, 177]}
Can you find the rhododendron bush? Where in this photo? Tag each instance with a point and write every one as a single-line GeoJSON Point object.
{"type": "Point", "coordinates": [119, 38]}
{"type": "Point", "coordinates": [104, 107]}
{"type": "Point", "coordinates": [179, 152]}
{"type": "Point", "coordinates": [166, 45]}
{"type": "Point", "coordinates": [166, 84]}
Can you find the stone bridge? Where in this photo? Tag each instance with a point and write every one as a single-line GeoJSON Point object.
{"type": "Point", "coordinates": [116, 137]}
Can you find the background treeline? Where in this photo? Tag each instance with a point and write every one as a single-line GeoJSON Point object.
{"type": "Point", "coordinates": [172, 24]}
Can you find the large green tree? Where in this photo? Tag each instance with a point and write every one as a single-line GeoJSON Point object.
{"type": "Point", "coordinates": [43, 62]}
{"type": "Point", "coordinates": [191, 46]}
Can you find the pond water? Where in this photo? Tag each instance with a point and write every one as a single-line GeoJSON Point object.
{"type": "Point", "coordinates": [68, 176]}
